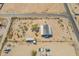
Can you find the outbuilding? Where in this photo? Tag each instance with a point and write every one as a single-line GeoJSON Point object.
{"type": "Point", "coordinates": [46, 30]}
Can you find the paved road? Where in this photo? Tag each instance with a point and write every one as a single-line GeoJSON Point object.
{"type": "Point", "coordinates": [5, 34]}
{"type": "Point", "coordinates": [73, 14]}
{"type": "Point", "coordinates": [31, 14]}
{"type": "Point", "coordinates": [72, 18]}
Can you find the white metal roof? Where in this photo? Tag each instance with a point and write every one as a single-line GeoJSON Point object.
{"type": "Point", "coordinates": [45, 30]}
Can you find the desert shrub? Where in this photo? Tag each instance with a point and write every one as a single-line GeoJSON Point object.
{"type": "Point", "coordinates": [35, 28]}
{"type": "Point", "coordinates": [34, 53]}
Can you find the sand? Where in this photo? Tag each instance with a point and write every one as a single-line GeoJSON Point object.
{"type": "Point", "coordinates": [77, 19]}
{"type": "Point", "coordinates": [60, 33]}
{"type": "Point", "coordinates": [56, 49]}
{"type": "Point", "coordinates": [62, 43]}
{"type": "Point", "coordinates": [75, 8]}
{"type": "Point", "coordinates": [58, 44]}
{"type": "Point", "coordinates": [33, 8]}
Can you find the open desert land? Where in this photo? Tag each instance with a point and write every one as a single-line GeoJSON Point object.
{"type": "Point", "coordinates": [38, 30]}
{"type": "Point", "coordinates": [25, 49]}
{"type": "Point", "coordinates": [33, 8]}
{"type": "Point", "coordinates": [61, 43]}
{"type": "Point", "coordinates": [75, 7]}
{"type": "Point", "coordinates": [77, 19]}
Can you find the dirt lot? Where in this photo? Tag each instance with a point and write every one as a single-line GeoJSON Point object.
{"type": "Point", "coordinates": [75, 8]}
{"type": "Point", "coordinates": [56, 49]}
{"type": "Point", "coordinates": [33, 8]}
{"type": "Point", "coordinates": [3, 25]}
{"type": "Point", "coordinates": [61, 43]}
{"type": "Point", "coordinates": [61, 28]}
{"type": "Point", "coordinates": [77, 19]}
{"type": "Point", "coordinates": [63, 37]}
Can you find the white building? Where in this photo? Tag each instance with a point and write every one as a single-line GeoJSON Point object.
{"type": "Point", "coordinates": [46, 30]}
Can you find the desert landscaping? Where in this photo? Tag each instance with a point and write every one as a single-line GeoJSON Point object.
{"type": "Point", "coordinates": [61, 28]}
{"type": "Point", "coordinates": [38, 29]}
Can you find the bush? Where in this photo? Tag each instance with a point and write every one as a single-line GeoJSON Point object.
{"type": "Point", "coordinates": [34, 53]}
{"type": "Point", "coordinates": [35, 28]}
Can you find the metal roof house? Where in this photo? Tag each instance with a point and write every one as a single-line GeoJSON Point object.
{"type": "Point", "coordinates": [46, 30]}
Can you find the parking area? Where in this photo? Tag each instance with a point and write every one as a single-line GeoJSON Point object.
{"type": "Point", "coordinates": [77, 19]}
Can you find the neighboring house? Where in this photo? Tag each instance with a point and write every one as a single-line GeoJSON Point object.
{"type": "Point", "coordinates": [46, 30]}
